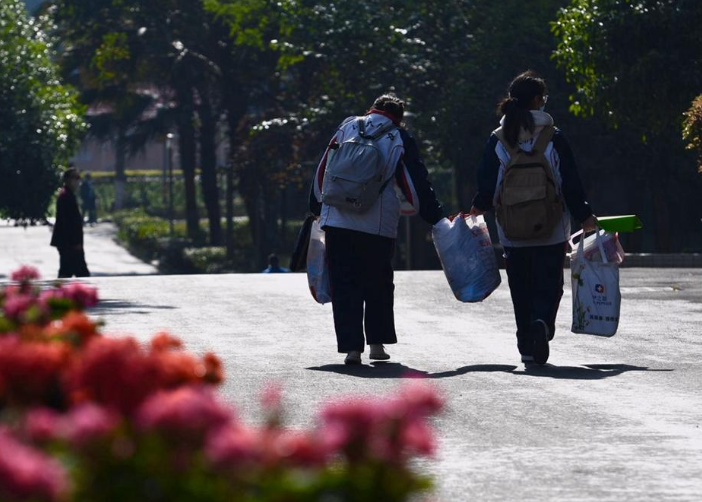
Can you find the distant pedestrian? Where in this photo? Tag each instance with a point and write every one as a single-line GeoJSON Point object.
{"type": "Point", "coordinates": [528, 174]}
{"type": "Point", "coordinates": [361, 221]}
{"type": "Point", "coordinates": [274, 265]}
{"type": "Point", "coordinates": [89, 198]}
{"type": "Point", "coordinates": [68, 230]}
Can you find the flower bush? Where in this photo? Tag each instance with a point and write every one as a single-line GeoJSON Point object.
{"type": "Point", "coordinates": [85, 418]}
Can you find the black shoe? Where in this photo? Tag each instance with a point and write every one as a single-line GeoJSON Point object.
{"type": "Point", "coordinates": [539, 332]}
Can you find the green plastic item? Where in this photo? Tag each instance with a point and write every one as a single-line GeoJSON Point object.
{"type": "Point", "coordinates": [625, 223]}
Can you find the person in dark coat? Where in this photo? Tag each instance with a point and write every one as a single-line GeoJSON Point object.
{"type": "Point", "coordinates": [89, 199]}
{"type": "Point", "coordinates": [67, 236]}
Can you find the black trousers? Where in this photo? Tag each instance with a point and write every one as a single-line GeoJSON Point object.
{"type": "Point", "coordinates": [535, 276]}
{"type": "Point", "coordinates": [72, 263]}
{"type": "Point", "coordinates": [360, 269]}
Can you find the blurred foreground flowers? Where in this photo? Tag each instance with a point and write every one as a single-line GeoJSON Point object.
{"type": "Point", "coordinates": [86, 418]}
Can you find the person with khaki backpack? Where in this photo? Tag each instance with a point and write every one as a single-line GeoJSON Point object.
{"type": "Point", "coordinates": [529, 177]}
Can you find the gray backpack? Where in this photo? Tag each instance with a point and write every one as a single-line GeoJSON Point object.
{"type": "Point", "coordinates": [353, 178]}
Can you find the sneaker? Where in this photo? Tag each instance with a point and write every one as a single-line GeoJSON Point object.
{"type": "Point", "coordinates": [527, 359]}
{"type": "Point", "coordinates": [377, 352]}
{"type": "Point", "coordinates": [353, 357]}
{"type": "Point", "coordinates": [539, 331]}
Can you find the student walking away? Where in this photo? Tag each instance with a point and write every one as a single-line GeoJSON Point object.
{"type": "Point", "coordinates": [89, 198]}
{"type": "Point", "coordinates": [68, 230]}
{"type": "Point", "coordinates": [529, 177]}
{"type": "Point", "coordinates": [371, 164]}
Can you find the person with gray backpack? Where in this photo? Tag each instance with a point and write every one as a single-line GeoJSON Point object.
{"type": "Point", "coordinates": [529, 177]}
{"type": "Point", "coordinates": [369, 174]}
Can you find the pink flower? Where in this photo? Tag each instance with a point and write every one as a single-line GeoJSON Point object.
{"type": "Point", "coordinates": [82, 425]}
{"type": "Point", "coordinates": [298, 448]}
{"type": "Point", "coordinates": [25, 274]}
{"type": "Point", "coordinates": [163, 342]}
{"type": "Point", "coordinates": [190, 412]}
{"type": "Point", "coordinates": [27, 474]}
{"type": "Point", "coordinates": [31, 370]}
{"type": "Point", "coordinates": [271, 398]}
{"type": "Point", "coordinates": [16, 305]}
{"type": "Point", "coordinates": [388, 429]}
{"type": "Point", "coordinates": [83, 296]}
{"type": "Point", "coordinates": [420, 398]}
{"type": "Point", "coordinates": [89, 422]}
{"type": "Point", "coordinates": [42, 425]}
{"type": "Point", "coordinates": [113, 372]}
{"type": "Point", "coordinates": [418, 437]}
{"type": "Point", "coordinates": [231, 447]}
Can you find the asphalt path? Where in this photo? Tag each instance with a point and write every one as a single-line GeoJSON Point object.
{"type": "Point", "coordinates": [30, 246]}
{"type": "Point", "coordinates": [609, 419]}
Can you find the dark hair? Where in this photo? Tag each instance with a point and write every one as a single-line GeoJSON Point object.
{"type": "Point", "coordinates": [389, 103]}
{"type": "Point", "coordinates": [515, 107]}
{"type": "Point", "coordinates": [69, 173]}
{"type": "Point", "coordinates": [273, 259]}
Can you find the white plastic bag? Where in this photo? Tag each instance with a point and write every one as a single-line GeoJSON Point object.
{"type": "Point", "coordinates": [317, 266]}
{"type": "Point", "coordinates": [467, 257]}
{"type": "Point", "coordinates": [609, 241]}
{"type": "Point", "coordinates": [596, 297]}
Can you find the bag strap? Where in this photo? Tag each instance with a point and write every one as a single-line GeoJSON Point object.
{"type": "Point", "coordinates": [544, 139]}
{"type": "Point", "coordinates": [383, 130]}
{"type": "Point", "coordinates": [500, 133]}
{"type": "Point", "coordinates": [361, 124]}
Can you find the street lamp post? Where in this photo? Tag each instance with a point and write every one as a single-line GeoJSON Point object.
{"type": "Point", "coordinates": [169, 157]}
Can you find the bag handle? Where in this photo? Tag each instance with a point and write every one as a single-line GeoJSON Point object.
{"type": "Point", "coordinates": [581, 244]}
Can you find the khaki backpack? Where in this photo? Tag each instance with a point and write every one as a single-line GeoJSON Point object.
{"type": "Point", "coordinates": [529, 205]}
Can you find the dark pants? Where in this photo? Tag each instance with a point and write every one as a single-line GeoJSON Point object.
{"type": "Point", "coordinates": [72, 263]}
{"type": "Point", "coordinates": [360, 268]}
{"type": "Point", "coordinates": [92, 214]}
{"type": "Point", "coordinates": [535, 277]}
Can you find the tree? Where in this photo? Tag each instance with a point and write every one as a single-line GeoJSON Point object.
{"type": "Point", "coordinates": [692, 130]}
{"type": "Point", "coordinates": [40, 117]}
{"type": "Point", "coordinates": [119, 49]}
{"type": "Point", "coordinates": [637, 64]}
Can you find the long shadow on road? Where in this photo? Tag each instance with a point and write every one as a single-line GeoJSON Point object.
{"type": "Point", "coordinates": [111, 307]}
{"type": "Point", "coordinates": [399, 370]}
{"type": "Point", "coordinates": [586, 372]}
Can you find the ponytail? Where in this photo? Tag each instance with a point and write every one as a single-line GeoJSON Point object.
{"type": "Point", "coordinates": [516, 106]}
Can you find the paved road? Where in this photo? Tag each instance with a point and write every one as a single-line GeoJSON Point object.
{"type": "Point", "coordinates": [30, 246]}
{"type": "Point", "coordinates": [611, 420]}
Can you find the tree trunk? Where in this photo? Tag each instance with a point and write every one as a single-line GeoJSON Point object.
{"type": "Point", "coordinates": [208, 169]}
{"type": "Point", "coordinates": [188, 160]}
{"type": "Point", "coordinates": [120, 169]}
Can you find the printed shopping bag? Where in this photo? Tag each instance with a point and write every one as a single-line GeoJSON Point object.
{"type": "Point", "coordinates": [596, 297]}
{"type": "Point", "coordinates": [609, 241]}
{"type": "Point", "coordinates": [467, 257]}
{"type": "Point", "coordinates": [317, 266]}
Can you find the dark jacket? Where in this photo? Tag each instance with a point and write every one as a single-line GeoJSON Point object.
{"type": "Point", "coordinates": [68, 230]}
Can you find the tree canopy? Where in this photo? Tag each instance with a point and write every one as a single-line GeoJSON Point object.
{"type": "Point", "coordinates": [637, 63]}
{"type": "Point", "coordinates": [40, 117]}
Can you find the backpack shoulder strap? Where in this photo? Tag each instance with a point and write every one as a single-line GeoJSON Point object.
{"type": "Point", "coordinates": [361, 124]}
{"type": "Point", "coordinates": [500, 133]}
{"type": "Point", "coordinates": [544, 139]}
{"type": "Point", "coordinates": [383, 130]}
